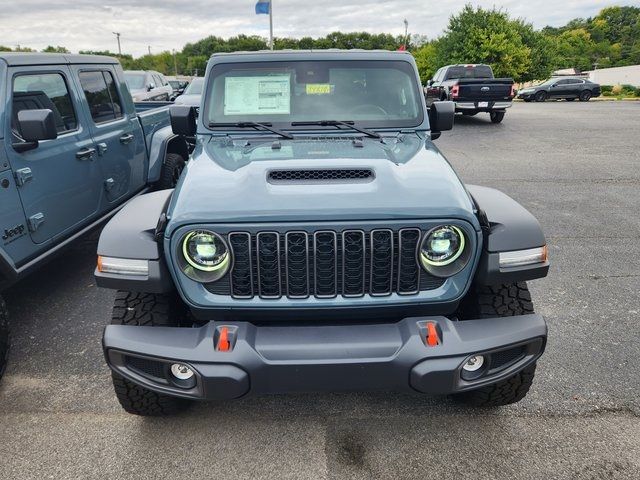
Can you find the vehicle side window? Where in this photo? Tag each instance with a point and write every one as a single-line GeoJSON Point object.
{"type": "Point", "coordinates": [101, 93]}
{"type": "Point", "coordinates": [157, 81]}
{"type": "Point", "coordinates": [44, 91]}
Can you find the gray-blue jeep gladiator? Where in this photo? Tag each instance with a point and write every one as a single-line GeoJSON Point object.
{"type": "Point", "coordinates": [318, 240]}
{"type": "Point", "coordinates": [73, 150]}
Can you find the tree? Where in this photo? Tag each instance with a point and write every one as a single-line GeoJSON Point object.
{"type": "Point", "coordinates": [427, 60]}
{"type": "Point", "coordinates": [58, 49]}
{"type": "Point", "coordinates": [486, 36]}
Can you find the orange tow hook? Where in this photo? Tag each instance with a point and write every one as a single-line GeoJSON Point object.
{"type": "Point", "coordinates": [432, 335]}
{"type": "Point", "coordinates": [224, 345]}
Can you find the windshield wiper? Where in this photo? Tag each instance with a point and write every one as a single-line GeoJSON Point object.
{"type": "Point", "coordinates": [256, 125]}
{"type": "Point", "coordinates": [337, 123]}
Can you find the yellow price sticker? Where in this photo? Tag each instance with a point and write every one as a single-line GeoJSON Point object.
{"type": "Point", "coordinates": [318, 88]}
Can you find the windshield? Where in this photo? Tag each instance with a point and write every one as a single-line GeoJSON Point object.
{"type": "Point", "coordinates": [370, 93]}
{"type": "Point", "coordinates": [195, 87]}
{"type": "Point", "coordinates": [135, 81]}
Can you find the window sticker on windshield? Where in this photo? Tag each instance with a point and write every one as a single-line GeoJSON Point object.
{"type": "Point", "coordinates": [257, 95]}
{"type": "Point", "coordinates": [318, 88]}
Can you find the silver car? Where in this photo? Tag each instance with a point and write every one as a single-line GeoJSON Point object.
{"type": "Point", "coordinates": [148, 85]}
{"type": "Point", "coordinates": [192, 94]}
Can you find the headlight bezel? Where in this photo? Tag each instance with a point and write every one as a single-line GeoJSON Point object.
{"type": "Point", "coordinates": [451, 266]}
{"type": "Point", "coordinates": [198, 272]}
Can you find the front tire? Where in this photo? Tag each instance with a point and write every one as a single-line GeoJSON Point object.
{"type": "Point", "coordinates": [496, 117]}
{"type": "Point", "coordinates": [504, 300]}
{"type": "Point", "coordinates": [171, 170]}
{"type": "Point", "coordinates": [585, 96]}
{"type": "Point", "coordinates": [155, 310]}
{"type": "Point", "coordinates": [4, 336]}
{"type": "Point", "coordinates": [541, 96]}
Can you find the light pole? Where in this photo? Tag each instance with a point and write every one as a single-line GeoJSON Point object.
{"type": "Point", "coordinates": [175, 62]}
{"type": "Point", "coordinates": [149, 48]}
{"type": "Point", "coordinates": [406, 33]}
{"type": "Point", "coordinates": [117, 34]}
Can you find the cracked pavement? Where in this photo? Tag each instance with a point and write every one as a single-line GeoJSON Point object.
{"type": "Point", "coordinates": [574, 165]}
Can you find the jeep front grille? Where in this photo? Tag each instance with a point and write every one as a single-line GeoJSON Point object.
{"type": "Point", "coordinates": [324, 264]}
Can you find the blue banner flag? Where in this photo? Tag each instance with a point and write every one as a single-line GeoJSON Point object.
{"type": "Point", "coordinates": [263, 6]}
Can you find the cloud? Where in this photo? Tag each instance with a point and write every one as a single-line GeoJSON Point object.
{"type": "Point", "coordinates": [168, 24]}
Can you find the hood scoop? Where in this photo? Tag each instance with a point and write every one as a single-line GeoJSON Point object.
{"type": "Point", "coordinates": [333, 175]}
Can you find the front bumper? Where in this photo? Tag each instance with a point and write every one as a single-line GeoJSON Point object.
{"type": "Point", "coordinates": [280, 359]}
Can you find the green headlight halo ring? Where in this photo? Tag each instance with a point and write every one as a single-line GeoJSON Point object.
{"type": "Point", "coordinates": [426, 261]}
{"type": "Point", "coordinates": [223, 264]}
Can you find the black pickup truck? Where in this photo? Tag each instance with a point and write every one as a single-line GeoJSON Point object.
{"type": "Point", "coordinates": [473, 89]}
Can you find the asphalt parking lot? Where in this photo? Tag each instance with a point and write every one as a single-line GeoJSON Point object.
{"type": "Point", "coordinates": [576, 166]}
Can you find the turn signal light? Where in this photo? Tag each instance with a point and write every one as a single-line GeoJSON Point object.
{"type": "Point", "coordinates": [224, 345]}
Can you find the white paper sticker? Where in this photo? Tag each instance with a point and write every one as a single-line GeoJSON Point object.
{"type": "Point", "coordinates": [257, 95]}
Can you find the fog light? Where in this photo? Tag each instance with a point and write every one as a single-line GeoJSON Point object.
{"type": "Point", "coordinates": [474, 363]}
{"type": "Point", "coordinates": [181, 371]}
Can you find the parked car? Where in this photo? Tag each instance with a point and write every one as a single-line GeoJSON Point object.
{"type": "Point", "coordinates": [473, 89]}
{"type": "Point", "coordinates": [319, 241]}
{"type": "Point", "coordinates": [148, 85]}
{"type": "Point", "coordinates": [568, 88]}
{"type": "Point", "coordinates": [178, 86]}
{"type": "Point", "coordinates": [192, 94]}
{"type": "Point", "coordinates": [73, 150]}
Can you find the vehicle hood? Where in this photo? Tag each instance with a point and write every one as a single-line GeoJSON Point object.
{"type": "Point", "coordinates": [190, 100]}
{"type": "Point", "coordinates": [227, 181]}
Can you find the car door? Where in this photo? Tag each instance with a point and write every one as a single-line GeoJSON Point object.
{"type": "Point", "coordinates": [59, 180]}
{"type": "Point", "coordinates": [158, 91]}
{"type": "Point", "coordinates": [574, 87]}
{"type": "Point", "coordinates": [559, 89]}
{"type": "Point", "coordinates": [116, 132]}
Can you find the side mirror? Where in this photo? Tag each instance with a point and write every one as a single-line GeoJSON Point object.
{"type": "Point", "coordinates": [183, 120]}
{"type": "Point", "coordinates": [150, 87]}
{"type": "Point", "coordinates": [37, 125]}
{"type": "Point", "coordinates": [429, 83]}
{"type": "Point", "coordinates": [441, 117]}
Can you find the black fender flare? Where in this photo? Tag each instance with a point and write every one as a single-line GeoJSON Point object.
{"type": "Point", "coordinates": [132, 234]}
{"type": "Point", "coordinates": [507, 226]}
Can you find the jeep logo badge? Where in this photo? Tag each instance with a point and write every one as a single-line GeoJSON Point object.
{"type": "Point", "coordinates": [485, 89]}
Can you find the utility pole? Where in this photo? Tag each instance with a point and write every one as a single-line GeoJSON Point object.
{"type": "Point", "coordinates": [271, 24]}
{"type": "Point", "coordinates": [149, 48]}
{"type": "Point", "coordinates": [175, 62]}
{"type": "Point", "coordinates": [117, 34]}
{"type": "Point", "coordinates": [406, 34]}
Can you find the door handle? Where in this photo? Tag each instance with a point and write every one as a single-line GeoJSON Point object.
{"type": "Point", "coordinates": [126, 138]}
{"type": "Point", "coordinates": [85, 153]}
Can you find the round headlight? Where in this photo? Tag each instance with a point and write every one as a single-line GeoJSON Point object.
{"type": "Point", "coordinates": [442, 249]}
{"type": "Point", "coordinates": [206, 256]}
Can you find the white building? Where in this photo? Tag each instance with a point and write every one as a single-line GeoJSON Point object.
{"type": "Point", "coordinates": [616, 76]}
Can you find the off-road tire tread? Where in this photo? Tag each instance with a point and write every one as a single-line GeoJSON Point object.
{"type": "Point", "coordinates": [146, 309]}
{"type": "Point", "coordinates": [505, 300]}
{"type": "Point", "coordinates": [138, 400]}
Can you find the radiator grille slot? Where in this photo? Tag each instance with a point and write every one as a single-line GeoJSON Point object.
{"type": "Point", "coordinates": [325, 264]}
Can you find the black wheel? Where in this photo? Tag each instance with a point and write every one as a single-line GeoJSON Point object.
{"type": "Point", "coordinates": [570, 99]}
{"type": "Point", "coordinates": [496, 117]}
{"type": "Point", "coordinates": [585, 96]}
{"type": "Point", "coordinates": [4, 336]}
{"type": "Point", "coordinates": [541, 96]}
{"type": "Point", "coordinates": [499, 301]}
{"type": "Point", "coordinates": [152, 310]}
{"type": "Point", "coordinates": [171, 171]}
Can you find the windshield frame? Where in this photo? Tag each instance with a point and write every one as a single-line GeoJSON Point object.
{"type": "Point", "coordinates": [419, 122]}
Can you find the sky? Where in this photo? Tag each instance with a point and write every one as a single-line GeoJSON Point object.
{"type": "Point", "coordinates": [169, 24]}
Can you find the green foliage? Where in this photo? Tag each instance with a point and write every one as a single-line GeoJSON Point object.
{"type": "Point", "coordinates": [58, 49]}
{"type": "Point", "coordinates": [427, 60]}
{"type": "Point", "coordinates": [486, 36]}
